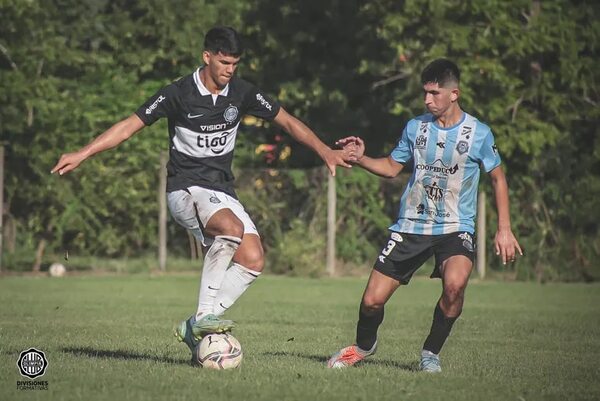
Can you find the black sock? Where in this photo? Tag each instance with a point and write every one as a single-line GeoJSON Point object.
{"type": "Point", "coordinates": [440, 330]}
{"type": "Point", "coordinates": [366, 329]}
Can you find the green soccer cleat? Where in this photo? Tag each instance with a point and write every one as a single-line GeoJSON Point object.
{"type": "Point", "coordinates": [184, 333]}
{"type": "Point", "coordinates": [430, 362]}
{"type": "Point", "coordinates": [191, 331]}
{"type": "Point", "coordinates": [210, 324]}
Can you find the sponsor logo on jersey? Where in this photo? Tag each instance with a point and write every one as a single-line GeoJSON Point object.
{"type": "Point", "coordinates": [466, 131]}
{"type": "Point", "coordinates": [204, 144]}
{"type": "Point", "coordinates": [192, 116]}
{"type": "Point", "coordinates": [155, 104]}
{"type": "Point", "coordinates": [495, 149]}
{"type": "Point", "coordinates": [462, 147]}
{"type": "Point", "coordinates": [437, 166]}
{"type": "Point", "coordinates": [264, 102]}
{"type": "Point", "coordinates": [441, 145]}
{"type": "Point", "coordinates": [434, 192]}
{"type": "Point", "coordinates": [421, 142]}
{"type": "Point", "coordinates": [213, 127]}
{"type": "Point", "coordinates": [421, 209]}
{"type": "Point", "coordinates": [230, 114]}
{"type": "Point", "coordinates": [214, 199]}
{"type": "Point", "coordinates": [215, 143]}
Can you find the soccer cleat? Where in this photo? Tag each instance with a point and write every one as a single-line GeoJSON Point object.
{"type": "Point", "coordinates": [349, 356]}
{"type": "Point", "coordinates": [430, 362]}
{"type": "Point", "coordinates": [209, 324]}
{"type": "Point", "coordinates": [184, 333]}
{"type": "Point", "coordinates": [191, 331]}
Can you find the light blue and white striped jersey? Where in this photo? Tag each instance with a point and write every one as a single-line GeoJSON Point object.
{"type": "Point", "coordinates": [441, 196]}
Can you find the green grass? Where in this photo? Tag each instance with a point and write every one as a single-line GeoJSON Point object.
{"type": "Point", "coordinates": [110, 338]}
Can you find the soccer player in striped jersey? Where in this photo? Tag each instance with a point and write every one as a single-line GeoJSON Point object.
{"type": "Point", "coordinates": [204, 110]}
{"type": "Point", "coordinates": [447, 147]}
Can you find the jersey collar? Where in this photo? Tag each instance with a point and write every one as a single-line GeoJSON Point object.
{"type": "Point", "coordinates": [202, 89]}
{"type": "Point", "coordinates": [436, 125]}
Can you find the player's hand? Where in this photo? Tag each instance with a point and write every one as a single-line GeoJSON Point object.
{"type": "Point", "coordinates": [507, 245]}
{"type": "Point", "coordinates": [68, 162]}
{"type": "Point", "coordinates": [333, 158]}
{"type": "Point", "coordinates": [355, 147]}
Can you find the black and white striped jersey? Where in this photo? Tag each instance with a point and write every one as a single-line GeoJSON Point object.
{"type": "Point", "coordinates": [203, 128]}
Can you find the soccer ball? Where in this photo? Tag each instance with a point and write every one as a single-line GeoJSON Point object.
{"type": "Point", "coordinates": [218, 351]}
{"type": "Point", "coordinates": [57, 270]}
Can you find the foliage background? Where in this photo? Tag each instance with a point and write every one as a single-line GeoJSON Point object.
{"type": "Point", "coordinates": [70, 69]}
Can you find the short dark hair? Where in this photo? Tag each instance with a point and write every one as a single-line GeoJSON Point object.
{"type": "Point", "coordinates": [441, 71]}
{"type": "Point", "coordinates": [223, 39]}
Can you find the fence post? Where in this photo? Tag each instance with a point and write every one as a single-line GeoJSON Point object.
{"type": "Point", "coordinates": [331, 201]}
{"type": "Point", "coordinates": [162, 212]}
{"type": "Point", "coordinates": [1, 200]}
{"type": "Point", "coordinates": [481, 234]}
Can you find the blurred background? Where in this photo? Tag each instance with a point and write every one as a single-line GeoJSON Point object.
{"type": "Point", "coordinates": [70, 69]}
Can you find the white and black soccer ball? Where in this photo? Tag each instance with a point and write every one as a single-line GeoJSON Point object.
{"type": "Point", "coordinates": [218, 351]}
{"type": "Point", "coordinates": [57, 270]}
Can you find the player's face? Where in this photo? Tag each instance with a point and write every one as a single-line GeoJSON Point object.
{"type": "Point", "coordinates": [220, 67]}
{"type": "Point", "coordinates": [438, 99]}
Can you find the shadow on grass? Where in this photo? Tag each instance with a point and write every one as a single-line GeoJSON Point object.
{"type": "Point", "coordinates": [411, 367]}
{"type": "Point", "coordinates": [120, 354]}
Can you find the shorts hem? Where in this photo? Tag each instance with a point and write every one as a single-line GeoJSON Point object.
{"type": "Point", "coordinates": [402, 281]}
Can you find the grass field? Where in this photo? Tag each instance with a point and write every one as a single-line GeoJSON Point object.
{"type": "Point", "coordinates": [110, 338]}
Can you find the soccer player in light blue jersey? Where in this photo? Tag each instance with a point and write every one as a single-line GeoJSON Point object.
{"type": "Point", "coordinates": [447, 147]}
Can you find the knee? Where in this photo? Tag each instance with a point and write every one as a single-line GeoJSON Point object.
{"type": "Point", "coordinates": [454, 293]}
{"type": "Point", "coordinates": [371, 304]}
{"type": "Point", "coordinates": [452, 300]}
{"type": "Point", "coordinates": [251, 259]}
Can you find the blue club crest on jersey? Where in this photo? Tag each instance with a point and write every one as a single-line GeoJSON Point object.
{"type": "Point", "coordinates": [462, 147]}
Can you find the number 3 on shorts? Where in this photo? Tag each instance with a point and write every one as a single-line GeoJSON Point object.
{"type": "Point", "coordinates": [390, 245]}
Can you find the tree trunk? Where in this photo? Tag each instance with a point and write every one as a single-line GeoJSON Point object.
{"type": "Point", "coordinates": [39, 254]}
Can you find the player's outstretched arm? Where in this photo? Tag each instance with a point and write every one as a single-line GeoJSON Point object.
{"type": "Point", "coordinates": [383, 166]}
{"type": "Point", "coordinates": [506, 244]}
{"type": "Point", "coordinates": [110, 138]}
{"type": "Point", "coordinates": [300, 132]}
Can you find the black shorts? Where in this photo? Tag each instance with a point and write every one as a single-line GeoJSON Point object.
{"type": "Point", "coordinates": [404, 253]}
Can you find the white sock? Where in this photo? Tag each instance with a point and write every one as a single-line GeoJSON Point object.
{"type": "Point", "coordinates": [237, 279]}
{"type": "Point", "coordinates": [425, 353]}
{"type": "Point", "coordinates": [217, 259]}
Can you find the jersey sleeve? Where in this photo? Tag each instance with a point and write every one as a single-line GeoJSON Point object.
{"type": "Point", "coordinates": [489, 156]}
{"type": "Point", "coordinates": [260, 105]}
{"type": "Point", "coordinates": [160, 105]}
{"type": "Point", "coordinates": [403, 152]}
